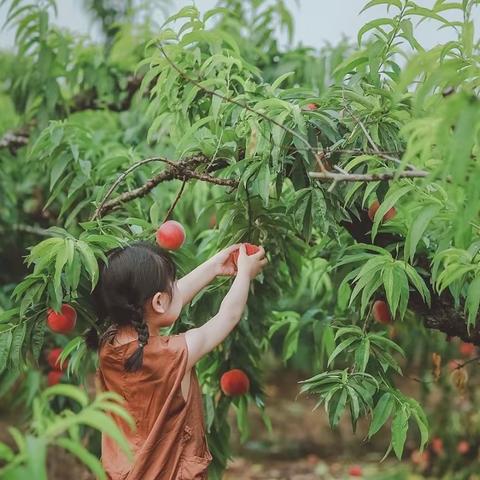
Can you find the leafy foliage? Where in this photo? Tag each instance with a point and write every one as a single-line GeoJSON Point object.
{"type": "Point", "coordinates": [215, 91]}
{"type": "Point", "coordinates": [64, 430]}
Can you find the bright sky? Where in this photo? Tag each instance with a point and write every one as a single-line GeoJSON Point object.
{"type": "Point", "coordinates": [316, 21]}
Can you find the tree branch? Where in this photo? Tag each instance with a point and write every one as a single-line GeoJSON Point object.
{"type": "Point", "coordinates": [184, 169]}
{"type": "Point", "coordinates": [177, 198]}
{"type": "Point", "coordinates": [120, 179]}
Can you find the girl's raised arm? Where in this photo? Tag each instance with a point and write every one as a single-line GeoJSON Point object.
{"type": "Point", "coordinates": [204, 339]}
{"type": "Point", "coordinates": [190, 284]}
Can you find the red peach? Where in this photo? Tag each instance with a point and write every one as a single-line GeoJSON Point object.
{"type": "Point", "coordinates": [53, 361]}
{"type": "Point", "coordinates": [249, 248]}
{"type": "Point", "coordinates": [170, 235]}
{"type": "Point", "coordinates": [420, 458]}
{"type": "Point", "coordinates": [437, 445]}
{"type": "Point", "coordinates": [467, 349]}
{"type": "Point", "coordinates": [381, 312]}
{"type": "Point", "coordinates": [355, 471]}
{"type": "Point", "coordinates": [63, 321]}
{"type": "Point", "coordinates": [54, 377]}
{"type": "Point", "coordinates": [234, 382]}
{"type": "Point", "coordinates": [213, 221]}
{"type": "Point", "coordinates": [391, 213]}
{"type": "Point", "coordinates": [463, 447]}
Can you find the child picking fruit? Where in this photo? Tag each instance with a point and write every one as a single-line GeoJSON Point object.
{"type": "Point", "coordinates": [137, 294]}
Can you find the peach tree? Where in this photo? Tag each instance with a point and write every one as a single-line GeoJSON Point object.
{"type": "Point", "coordinates": [205, 119]}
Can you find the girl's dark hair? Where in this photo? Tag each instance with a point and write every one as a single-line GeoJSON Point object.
{"type": "Point", "coordinates": [132, 275]}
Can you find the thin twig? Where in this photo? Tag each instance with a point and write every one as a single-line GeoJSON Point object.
{"type": "Point", "coordinates": [374, 146]}
{"type": "Point", "coordinates": [177, 198]}
{"type": "Point", "coordinates": [362, 126]}
{"type": "Point", "coordinates": [461, 365]}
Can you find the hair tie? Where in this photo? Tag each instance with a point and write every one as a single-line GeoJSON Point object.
{"type": "Point", "coordinates": [140, 344]}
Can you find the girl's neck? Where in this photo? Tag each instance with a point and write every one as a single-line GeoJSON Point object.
{"type": "Point", "coordinates": [127, 333]}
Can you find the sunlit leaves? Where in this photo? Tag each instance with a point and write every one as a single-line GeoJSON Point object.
{"type": "Point", "coordinates": [380, 269]}
{"type": "Point", "coordinates": [460, 273]}
{"type": "Point", "coordinates": [337, 389]}
{"type": "Point", "coordinates": [365, 346]}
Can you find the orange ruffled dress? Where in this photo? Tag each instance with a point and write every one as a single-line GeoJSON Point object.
{"type": "Point", "coordinates": [169, 442]}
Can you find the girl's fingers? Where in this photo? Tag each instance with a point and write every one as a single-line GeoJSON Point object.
{"type": "Point", "coordinates": [233, 247]}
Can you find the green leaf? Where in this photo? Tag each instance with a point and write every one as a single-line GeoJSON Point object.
{"type": "Point", "coordinates": [280, 79]}
{"type": "Point", "coordinates": [6, 453]}
{"type": "Point", "coordinates": [57, 169]}
{"type": "Point", "coordinates": [5, 344]}
{"type": "Point", "coordinates": [38, 336]}
{"type": "Point", "coordinates": [69, 391]}
{"type": "Point", "coordinates": [60, 261]}
{"type": "Point", "coordinates": [374, 24]}
{"type": "Point", "coordinates": [263, 182]}
{"type": "Point", "coordinates": [89, 261]}
{"type": "Point", "coordinates": [16, 359]}
{"type": "Point", "coordinates": [36, 453]}
{"type": "Point", "coordinates": [340, 348]}
{"type": "Point", "coordinates": [399, 431]}
{"type": "Point", "coordinates": [388, 3]}
{"type": "Point", "coordinates": [335, 411]}
{"type": "Point", "coordinates": [91, 461]}
{"type": "Point", "coordinates": [362, 354]}
{"type": "Point", "coordinates": [418, 282]}
{"type": "Point", "coordinates": [381, 412]}
{"type": "Point", "coordinates": [389, 201]}
{"type": "Point", "coordinates": [417, 229]}
{"type": "Point", "coordinates": [472, 301]}
{"type": "Point", "coordinates": [105, 424]}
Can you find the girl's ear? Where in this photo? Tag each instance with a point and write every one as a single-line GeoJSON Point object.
{"type": "Point", "coordinates": [160, 302]}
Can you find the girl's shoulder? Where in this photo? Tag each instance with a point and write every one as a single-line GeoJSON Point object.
{"type": "Point", "coordinates": [155, 342]}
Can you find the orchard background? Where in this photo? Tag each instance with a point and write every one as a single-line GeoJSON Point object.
{"type": "Point", "coordinates": [356, 167]}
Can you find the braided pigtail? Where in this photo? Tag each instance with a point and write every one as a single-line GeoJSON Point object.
{"type": "Point", "coordinates": [131, 276]}
{"type": "Point", "coordinates": [135, 361]}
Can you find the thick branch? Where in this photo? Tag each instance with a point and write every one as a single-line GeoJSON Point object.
{"type": "Point", "coordinates": [442, 315]}
{"type": "Point", "coordinates": [184, 169]}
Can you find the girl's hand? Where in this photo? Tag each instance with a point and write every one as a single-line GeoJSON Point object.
{"type": "Point", "coordinates": [251, 264]}
{"type": "Point", "coordinates": [222, 262]}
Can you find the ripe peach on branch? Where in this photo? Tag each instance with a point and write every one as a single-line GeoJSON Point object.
{"type": "Point", "coordinates": [54, 362]}
{"type": "Point", "coordinates": [391, 213]}
{"type": "Point", "coordinates": [381, 312]}
{"type": "Point", "coordinates": [234, 382]}
{"type": "Point", "coordinates": [63, 321]}
{"type": "Point", "coordinates": [170, 235]}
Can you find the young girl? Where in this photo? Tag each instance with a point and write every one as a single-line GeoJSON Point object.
{"type": "Point", "coordinates": [138, 293]}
